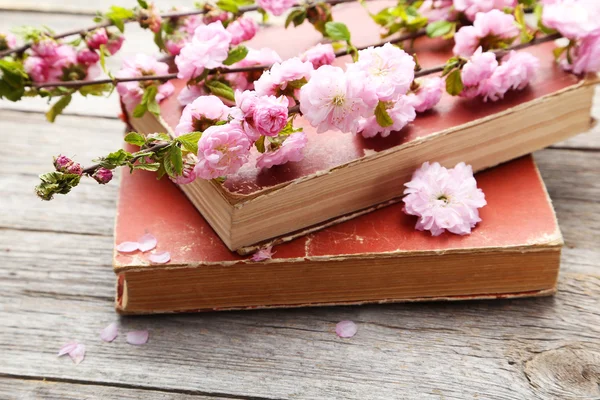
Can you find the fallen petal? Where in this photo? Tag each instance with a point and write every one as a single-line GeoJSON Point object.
{"type": "Point", "coordinates": [161, 257]}
{"type": "Point", "coordinates": [147, 242]}
{"type": "Point", "coordinates": [109, 333]}
{"type": "Point", "coordinates": [346, 329]}
{"type": "Point", "coordinates": [266, 253]}
{"type": "Point", "coordinates": [137, 337]}
{"type": "Point", "coordinates": [77, 354]}
{"type": "Point", "coordinates": [67, 348]}
{"type": "Point", "coordinates": [128, 247]}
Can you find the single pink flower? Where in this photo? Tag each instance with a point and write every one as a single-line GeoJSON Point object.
{"type": "Point", "coordinates": [389, 69]}
{"type": "Point", "coordinates": [476, 71]}
{"type": "Point", "coordinates": [585, 56]}
{"type": "Point", "coordinates": [103, 176]}
{"type": "Point", "coordinates": [265, 253]}
{"type": "Point", "coordinates": [275, 81]}
{"type": "Point", "coordinates": [208, 49]}
{"type": "Point", "coordinates": [472, 7]}
{"type": "Point", "coordinates": [437, 10]}
{"type": "Point", "coordinates": [321, 54]}
{"type": "Point", "coordinates": [428, 94]}
{"type": "Point", "coordinates": [189, 174]}
{"type": "Point", "coordinates": [96, 38]}
{"type": "Point", "coordinates": [402, 113]}
{"type": "Point", "coordinates": [492, 26]}
{"type": "Point", "coordinates": [574, 19]}
{"type": "Point", "coordinates": [115, 41]}
{"type": "Point", "coordinates": [270, 115]}
{"type": "Point", "coordinates": [515, 72]}
{"type": "Point", "coordinates": [334, 99]}
{"type": "Point", "coordinates": [242, 29]}
{"type": "Point", "coordinates": [276, 7]}
{"type": "Point", "coordinates": [222, 150]}
{"type": "Point", "coordinates": [87, 57]}
{"type": "Point", "coordinates": [444, 199]}
{"type": "Point", "coordinates": [244, 112]}
{"type": "Point", "coordinates": [201, 114]}
{"type": "Point", "coordinates": [291, 150]}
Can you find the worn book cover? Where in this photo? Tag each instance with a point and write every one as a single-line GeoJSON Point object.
{"type": "Point", "coordinates": [377, 257]}
{"type": "Point", "coordinates": [344, 174]}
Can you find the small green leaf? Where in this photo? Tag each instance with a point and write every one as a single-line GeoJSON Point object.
{"type": "Point", "coordinates": [381, 115]}
{"type": "Point", "coordinates": [140, 110]}
{"type": "Point", "coordinates": [260, 144]}
{"type": "Point", "coordinates": [58, 107]}
{"type": "Point", "coordinates": [297, 16]}
{"type": "Point", "coordinates": [118, 15]}
{"type": "Point", "coordinates": [143, 4]}
{"type": "Point", "coordinates": [115, 159]}
{"type": "Point", "coordinates": [159, 40]}
{"type": "Point", "coordinates": [228, 5]}
{"type": "Point", "coordinates": [236, 54]}
{"type": "Point", "coordinates": [189, 141]}
{"type": "Point", "coordinates": [176, 159]}
{"type": "Point", "coordinates": [220, 89]}
{"type": "Point", "coordinates": [135, 139]}
{"type": "Point", "coordinates": [148, 167]}
{"type": "Point", "coordinates": [95, 90]}
{"type": "Point", "coordinates": [337, 31]}
{"type": "Point", "coordinates": [439, 28]}
{"type": "Point", "coordinates": [454, 85]}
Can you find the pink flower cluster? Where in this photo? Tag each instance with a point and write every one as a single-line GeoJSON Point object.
{"type": "Point", "coordinates": [490, 29]}
{"type": "Point", "coordinates": [111, 40]}
{"type": "Point", "coordinates": [181, 32]}
{"type": "Point", "coordinates": [483, 76]}
{"type": "Point", "coordinates": [261, 115]}
{"type": "Point", "coordinates": [276, 7]}
{"type": "Point", "coordinates": [444, 199]}
{"type": "Point", "coordinates": [471, 7]}
{"type": "Point", "coordinates": [319, 55]}
{"type": "Point", "coordinates": [245, 80]}
{"type": "Point", "coordinates": [579, 21]}
{"type": "Point", "coordinates": [284, 78]}
{"type": "Point", "coordinates": [142, 65]}
{"type": "Point", "coordinates": [242, 29]}
{"type": "Point", "coordinates": [208, 49]}
{"type": "Point", "coordinates": [428, 94]}
{"type": "Point", "coordinates": [202, 113]}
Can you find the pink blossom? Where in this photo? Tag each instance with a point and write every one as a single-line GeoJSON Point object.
{"type": "Point", "coordinates": [214, 16]}
{"type": "Point", "coordinates": [150, 18]}
{"type": "Point", "coordinates": [103, 176]}
{"type": "Point", "coordinates": [49, 62]}
{"type": "Point", "coordinates": [174, 43]}
{"type": "Point", "coordinates": [190, 24]}
{"type": "Point", "coordinates": [141, 65]}
{"type": "Point", "coordinates": [7, 41]}
{"type": "Point", "coordinates": [515, 72]}
{"type": "Point", "coordinates": [270, 115]}
{"type": "Point", "coordinates": [115, 41]}
{"type": "Point", "coordinates": [190, 93]}
{"type": "Point", "coordinates": [275, 81]}
{"type": "Point", "coordinates": [222, 150]}
{"type": "Point", "coordinates": [97, 38]}
{"type": "Point", "coordinates": [201, 114]}
{"type": "Point", "coordinates": [208, 49]}
{"type": "Point", "coordinates": [428, 94]}
{"type": "Point", "coordinates": [472, 7]}
{"type": "Point", "coordinates": [244, 112]}
{"type": "Point", "coordinates": [494, 25]}
{"type": "Point", "coordinates": [87, 57]}
{"type": "Point", "coordinates": [477, 70]}
{"type": "Point", "coordinates": [389, 69]}
{"type": "Point", "coordinates": [276, 7]}
{"type": "Point", "coordinates": [290, 150]}
{"type": "Point", "coordinates": [45, 47]}
{"type": "Point", "coordinates": [437, 10]}
{"type": "Point", "coordinates": [585, 56]}
{"type": "Point", "coordinates": [574, 19]}
{"type": "Point", "coordinates": [444, 199]}
{"type": "Point", "coordinates": [265, 253]}
{"type": "Point", "coordinates": [36, 68]}
{"type": "Point", "coordinates": [245, 80]}
{"type": "Point", "coordinates": [321, 54]}
{"type": "Point", "coordinates": [189, 174]}
{"type": "Point", "coordinates": [346, 329]}
{"type": "Point", "coordinates": [242, 29]}
{"type": "Point", "coordinates": [334, 99]}
{"type": "Point", "coordinates": [402, 113]}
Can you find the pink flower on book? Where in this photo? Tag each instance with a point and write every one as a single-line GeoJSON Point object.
{"type": "Point", "coordinates": [276, 7]}
{"type": "Point", "coordinates": [437, 10]}
{"type": "Point", "coordinates": [201, 114]}
{"type": "Point", "coordinates": [222, 150]}
{"type": "Point", "coordinates": [428, 94]}
{"type": "Point", "coordinates": [242, 29]}
{"type": "Point", "coordinates": [208, 49]}
{"type": "Point", "coordinates": [515, 72]}
{"type": "Point", "coordinates": [444, 199]}
{"type": "Point", "coordinates": [245, 80]}
{"type": "Point", "coordinates": [389, 70]}
{"type": "Point", "coordinates": [190, 93]}
{"type": "Point", "coordinates": [291, 150]}
{"type": "Point", "coordinates": [270, 115]}
{"type": "Point", "coordinates": [585, 56]}
{"type": "Point", "coordinates": [319, 55]}
{"type": "Point", "coordinates": [141, 65]}
{"type": "Point", "coordinates": [472, 7]}
{"type": "Point", "coordinates": [402, 113]}
{"type": "Point", "coordinates": [334, 99]}
{"type": "Point", "coordinates": [489, 29]}
{"type": "Point", "coordinates": [574, 19]}
{"type": "Point", "coordinates": [478, 69]}
{"type": "Point", "coordinates": [283, 78]}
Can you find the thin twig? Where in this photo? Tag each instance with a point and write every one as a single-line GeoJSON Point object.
{"type": "Point", "coordinates": [153, 149]}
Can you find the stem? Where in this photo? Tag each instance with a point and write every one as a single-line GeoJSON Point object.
{"type": "Point", "coordinates": [175, 14]}
{"type": "Point", "coordinates": [92, 168]}
{"type": "Point", "coordinates": [402, 38]}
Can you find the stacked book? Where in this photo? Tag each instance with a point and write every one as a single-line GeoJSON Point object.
{"type": "Point", "coordinates": [339, 234]}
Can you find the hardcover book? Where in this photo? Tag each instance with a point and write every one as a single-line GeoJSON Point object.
{"type": "Point", "coordinates": [374, 258]}
{"type": "Point", "coordinates": [344, 175]}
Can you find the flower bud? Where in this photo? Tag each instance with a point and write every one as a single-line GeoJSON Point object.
{"type": "Point", "coordinates": [62, 162]}
{"type": "Point", "coordinates": [97, 38]}
{"type": "Point", "coordinates": [87, 57]}
{"type": "Point", "coordinates": [150, 18]}
{"type": "Point", "coordinates": [103, 176]}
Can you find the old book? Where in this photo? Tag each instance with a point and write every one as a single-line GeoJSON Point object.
{"type": "Point", "coordinates": [345, 174]}
{"type": "Point", "coordinates": [374, 258]}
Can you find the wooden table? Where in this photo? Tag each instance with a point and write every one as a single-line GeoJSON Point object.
{"type": "Point", "coordinates": [57, 285]}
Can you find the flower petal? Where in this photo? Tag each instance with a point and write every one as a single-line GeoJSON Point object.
{"type": "Point", "coordinates": [109, 333]}
{"type": "Point", "coordinates": [161, 257]}
{"type": "Point", "coordinates": [346, 329]}
{"type": "Point", "coordinates": [67, 348]}
{"type": "Point", "coordinates": [147, 242]}
{"type": "Point", "coordinates": [137, 337]}
{"type": "Point", "coordinates": [128, 247]}
{"type": "Point", "coordinates": [78, 353]}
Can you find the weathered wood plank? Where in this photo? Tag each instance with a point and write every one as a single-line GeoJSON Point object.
{"type": "Point", "coordinates": [34, 389]}
{"type": "Point", "coordinates": [84, 7]}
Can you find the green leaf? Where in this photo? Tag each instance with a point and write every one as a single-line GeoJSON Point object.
{"type": "Point", "coordinates": [148, 103]}
{"type": "Point", "coordinates": [135, 139]}
{"type": "Point", "coordinates": [236, 54]}
{"type": "Point", "coordinates": [337, 31]}
{"type": "Point", "coordinates": [439, 28]}
{"type": "Point", "coordinates": [118, 15]}
{"type": "Point", "coordinates": [189, 141]}
{"type": "Point", "coordinates": [260, 144]}
{"type": "Point", "coordinates": [9, 92]}
{"type": "Point", "coordinates": [159, 40]}
{"type": "Point", "coordinates": [58, 107]}
{"type": "Point", "coordinates": [148, 167]}
{"type": "Point", "coordinates": [159, 136]}
{"type": "Point", "coordinates": [228, 5]}
{"type": "Point", "coordinates": [143, 4]}
{"type": "Point", "coordinates": [454, 85]}
{"type": "Point", "coordinates": [220, 89]}
{"type": "Point", "coordinates": [381, 115]}
{"type": "Point", "coordinates": [95, 90]}
{"type": "Point", "coordinates": [140, 110]}
{"type": "Point", "coordinates": [176, 158]}
{"type": "Point", "coordinates": [265, 15]}
{"type": "Point", "coordinates": [297, 16]}
{"type": "Point", "coordinates": [56, 183]}
{"type": "Point", "coordinates": [115, 159]}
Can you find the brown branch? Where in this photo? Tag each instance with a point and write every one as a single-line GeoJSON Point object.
{"type": "Point", "coordinates": [401, 38]}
